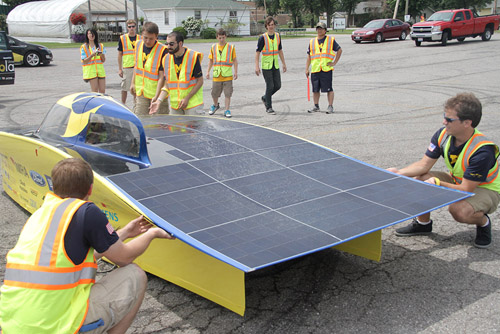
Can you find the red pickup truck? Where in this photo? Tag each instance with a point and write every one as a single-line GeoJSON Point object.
{"type": "Point", "coordinates": [454, 24]}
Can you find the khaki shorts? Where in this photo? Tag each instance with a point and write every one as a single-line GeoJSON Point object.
{"type": "Point", "coordinates": [219, 86]}
{"type": "Point", "coordinates": [128, 73]}
{"type": "Point", "coordinates": [484, 200]}
{"type": "Point", "coordinates": [198, 110]}
{"type": "Point", "coordinates": [142, 106]}
{"type": "Point", "coordinates": [114, 296]}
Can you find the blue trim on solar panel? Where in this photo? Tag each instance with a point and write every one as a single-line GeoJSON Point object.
{"type": "Point", "coordinates": [253, 197]}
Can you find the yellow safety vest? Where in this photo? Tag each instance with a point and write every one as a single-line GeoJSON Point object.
{"type": "Point", "coordinates": [43, 291]}
{"type": "Point", "coordinates": [94, 68]}
{"type": "Point", "coordinates": [147, 71]}
{"type": "Point", "coordinates": [457, 171]}
{"type": "Point", "coordinates": [128, 59]}
{"type": "Point", "coordinates": [179, 87]}
{"type": "Point", "coordinates": [270, 52]}
{"type": "Point", "coordinates": [223, 63]}
{"type": "Point", "coordinates": [320, 58]}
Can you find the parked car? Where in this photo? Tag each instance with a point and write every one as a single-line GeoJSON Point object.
{"type": "Point", "coordinates": [382, 29]}
{"type": "Point", "coordinates": [7, 69]}
{"type": "Point", "coordinates": [25, 53]}
{"type": "Point", "coordinates": [454, 24]}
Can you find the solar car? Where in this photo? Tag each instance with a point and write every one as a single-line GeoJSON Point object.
{"type": "Point", "coordinates": [237, 197]}
{"type": "Point", "coordinates": [380, 30]}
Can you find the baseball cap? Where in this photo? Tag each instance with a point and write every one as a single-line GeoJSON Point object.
{"type": "Point", "coordinates": [321, 25]}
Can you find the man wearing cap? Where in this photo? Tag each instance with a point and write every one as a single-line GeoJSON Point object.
{"type": "Point", "coordinates": [322, 55]}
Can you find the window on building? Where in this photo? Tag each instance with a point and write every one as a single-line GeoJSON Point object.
{"type": "Point", "coordinates": [197, 14]}
{"type": "Point", "coordinates": [167, 15]}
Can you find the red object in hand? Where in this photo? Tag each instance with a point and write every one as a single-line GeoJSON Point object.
{"type": "Point", "coordinates": [308, 90]}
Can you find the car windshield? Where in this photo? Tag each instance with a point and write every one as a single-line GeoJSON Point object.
{"type": "Point", "coordinates": [55, 123]}
{"type": "Point", "coordinates": [441, 17]}
{"type": "Point", "coordinates": [113, 134]}
{"type": "Point", "coordinates": [374, 24]}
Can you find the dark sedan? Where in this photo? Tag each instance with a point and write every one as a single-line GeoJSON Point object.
{"type": "Point", "coordinates": [382, 29]}
{"type": "Point", "coordinates": [25, 53]}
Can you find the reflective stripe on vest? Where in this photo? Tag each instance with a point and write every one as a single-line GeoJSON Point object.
{"type": "Point", "coordinates": [223, 63]}
{"type": "Point", "coordinates": [147, 73]}
{"type": "Point", "coordinates": [40, 276]}
{"type": "Point", "coordinates": [128, 59]}
{"type": "Point", "coordinates": [457, 171]}
{"type": "Point", "coordinates": [94, 68]}
{"type": "Point", "coordinates": [270, 51]}
{"type": "Point", "coordinates": [179, 87]}
{"type": "Point", "coordinates": [320, 59]}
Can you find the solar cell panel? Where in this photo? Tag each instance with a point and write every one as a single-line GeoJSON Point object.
{"type": "Point", "coordinates": [253, 197]}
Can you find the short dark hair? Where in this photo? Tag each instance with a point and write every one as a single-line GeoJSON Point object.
{"type": "Point", "coordinates": [151, 28]}
{"type": "Point", "coordinates": [221, 32]}
{"type": "Point", "coordinates": [72, 177]}
{"type": "Point", "coordinates": [269, 19]}
{"type": "Point", "coordinates": [96, 35]}
{"type": "Point", "coordinates": [467, 106]}
{"type": "Point", "coordinates": [178, 36]}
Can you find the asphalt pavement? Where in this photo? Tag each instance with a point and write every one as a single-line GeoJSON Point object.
{"type": "Point", "coordinates": [388, 102]}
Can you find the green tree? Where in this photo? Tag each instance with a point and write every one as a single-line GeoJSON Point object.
{"type": "Point", "coordinates": [295, 8]}
{"type": "Point", "coordinates": [328, 6]}
{"type": "Point", "coordinates": [14, 3]}
{"type": "Point", "coordinates": [272, 6]}
{"type": "Point", "coordinates": [349, 6]}
{"type": "Point", "coordinates": [313, 7]}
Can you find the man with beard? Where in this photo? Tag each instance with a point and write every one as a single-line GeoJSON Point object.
{"type": "Point", "coordinates": [183, 81]}
{"type": "Point", "coordinates": [148, 71]}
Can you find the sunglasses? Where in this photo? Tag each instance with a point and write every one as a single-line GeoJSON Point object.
{"type": "Point", "coordinates": [170, 44]}
{"type": "Point", "coordinates": [450, 120]}
{"type": "Point", "coordinates": [130, 27]}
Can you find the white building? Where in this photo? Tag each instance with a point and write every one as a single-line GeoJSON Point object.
{"type": "Point", "coordinates": [169, 14]}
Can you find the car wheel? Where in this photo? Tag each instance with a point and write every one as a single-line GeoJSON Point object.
{"type": "Point", "coordinates": [461, 39]}
{"type": "Point", "coordinates": [418, 43]}
{"type": "Point", "coordinates": [486, 36]}
{"type": "Point", "coordinates": [357, 42]}
{"type": "Point", "coordinates": [378, 38]}
{"type": "Point", "coordinates": [402, 37]}
{"type": "Point", "coordinates": [444, 38]}
{"type": "Point", "coordinates": [32, 59]}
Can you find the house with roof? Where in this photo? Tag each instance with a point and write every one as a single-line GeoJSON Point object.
{"type": "Point", "coordinates": [168, 14]}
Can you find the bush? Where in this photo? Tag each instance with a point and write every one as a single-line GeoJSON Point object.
{"type": "Point", "coordinates": [78, 18]}
{"type": "Point", "coordinates": [192, 25]}
{"type": "Point", "coordinates": [208, 33]}
{"type": "Point", "coordinates": [3, 22]}
{"type": "Point", "coordinates": [181, 30]}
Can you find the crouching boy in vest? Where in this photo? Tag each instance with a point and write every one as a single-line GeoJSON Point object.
{"type": "Point", "coordinates": [49, 284]}
{"type": "Point", "coordinates": [222, 57]}
{"type": "Point", "coordinates": [183, 78]}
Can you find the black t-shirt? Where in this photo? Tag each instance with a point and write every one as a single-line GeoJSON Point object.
{"type": "Point", "coordinates": [90, 229]}
{"type": "Point", "coordinates": [261, 43]}
{"type": "Point", "coordinates": [132, 39]}
{"type": "Point", "coordinates": [197, 71]}
{"type": "Point", "coordinates": [479, 163]}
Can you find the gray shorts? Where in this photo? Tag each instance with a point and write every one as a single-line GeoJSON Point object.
{"type": "Point", "coordinates": [114, 296]}
{"type": "Point", "coordinates": [219, 86]}
{"type": "Point", "coordinates": [484, 200]}
{"type": "Point", "coordinates": [128, 73]}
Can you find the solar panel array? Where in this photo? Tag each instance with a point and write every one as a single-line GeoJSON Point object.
{"type": "Point", "coordinates": [253, 197]}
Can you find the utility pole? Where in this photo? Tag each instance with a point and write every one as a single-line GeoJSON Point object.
{"type": "Point", "coordinates": [90, 15]}
{"type": "Point", "coordinates": [396, 9]}
{"type": "Point", "coordinates": [135, 13]}
{"type": "Point", "coordinates": [494, 8]}
{"type": "Point", "coordinates": [126, 11]}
